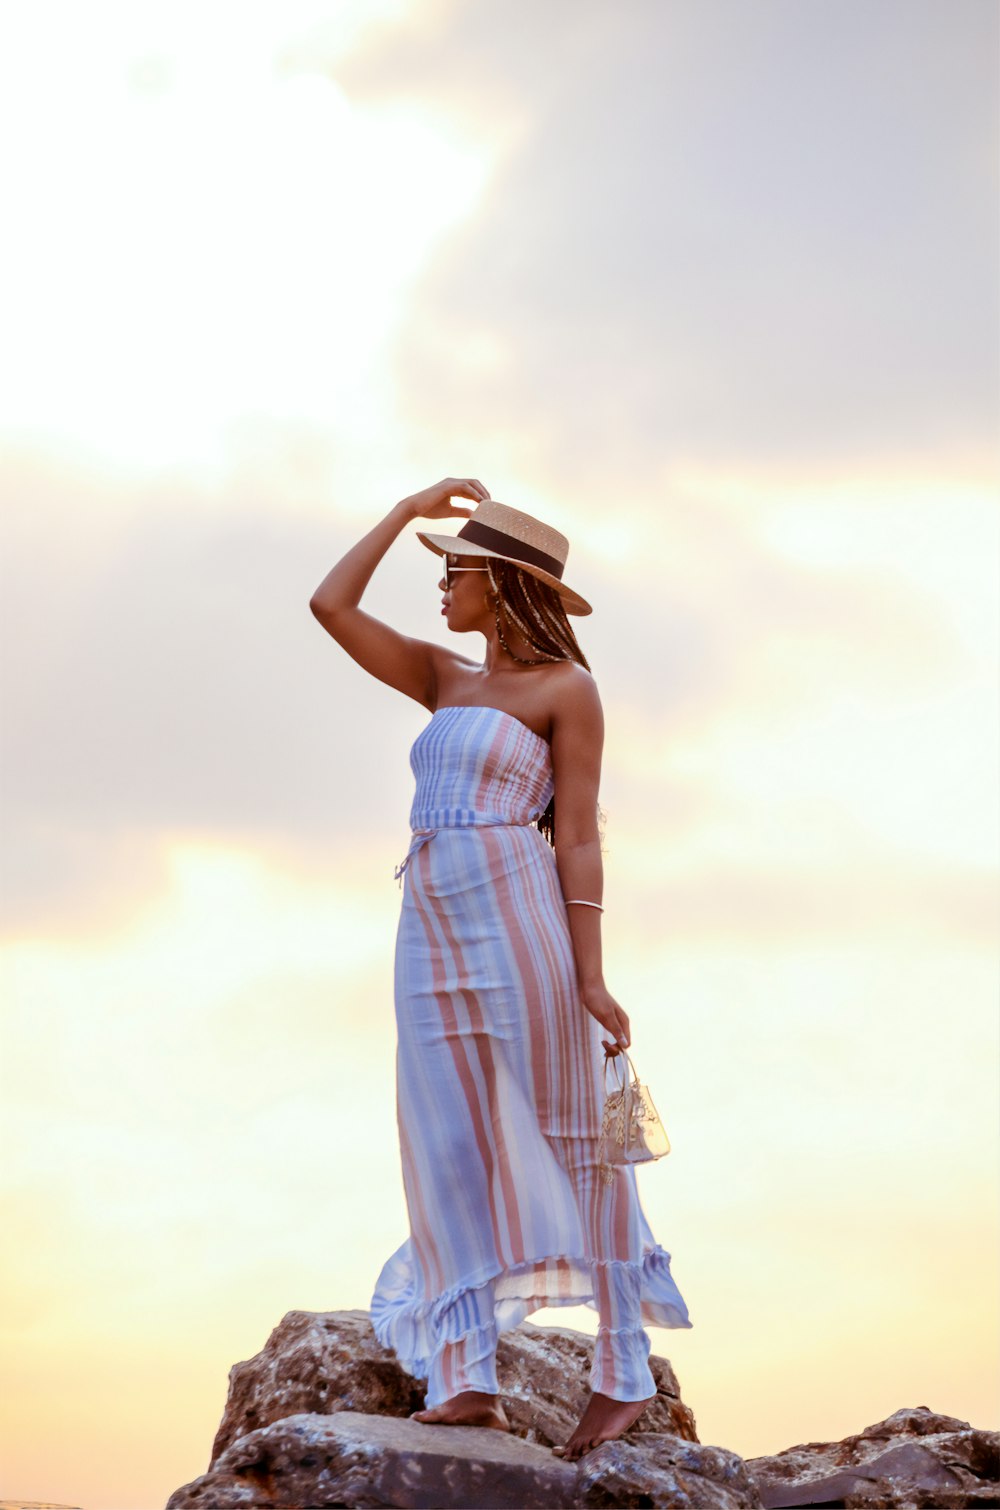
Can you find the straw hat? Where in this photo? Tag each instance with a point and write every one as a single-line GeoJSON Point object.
{"type": "Point", "coordinates": [493, 529]}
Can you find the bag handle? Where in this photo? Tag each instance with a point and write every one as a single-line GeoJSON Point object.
{"type": "Point", "coordinates": [613, 1059]}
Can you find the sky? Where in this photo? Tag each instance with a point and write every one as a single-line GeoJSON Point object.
{"type": "Point", "coordinates": [708, 285]}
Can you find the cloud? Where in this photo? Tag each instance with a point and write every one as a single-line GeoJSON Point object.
{"type": "Point", "coordinates": [165, 679]}
{"type": "Point", "coordinates": [717, 231]}
{"type": "Point", "coordinates": [662, 287]}
{"type": "Point", "coordinates": [168, 685]}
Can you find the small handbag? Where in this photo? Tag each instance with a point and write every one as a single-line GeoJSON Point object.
{"type": "Point", "coordinates": [631, 1130]}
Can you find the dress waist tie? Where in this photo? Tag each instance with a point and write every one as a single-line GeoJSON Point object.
{"type": "Point", "coordinates": [420, 836]}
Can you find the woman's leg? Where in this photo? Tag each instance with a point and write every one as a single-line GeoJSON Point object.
{"type": "Point", "coordinates": [609, 1215]}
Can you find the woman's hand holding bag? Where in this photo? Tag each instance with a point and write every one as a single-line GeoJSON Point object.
{"type": "Point", "coordinates": [631, 1130]}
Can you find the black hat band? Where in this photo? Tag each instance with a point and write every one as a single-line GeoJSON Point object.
{"type": "Point", "coordinates": [509, 545]}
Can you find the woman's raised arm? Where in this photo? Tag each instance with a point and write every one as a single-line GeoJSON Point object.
{"type": "Point", "coordinates": [399, 660]}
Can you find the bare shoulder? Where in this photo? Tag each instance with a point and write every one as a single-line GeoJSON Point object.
{"type": "Point", "coordinates": [449, 668]}
{"type": "Point", "coordinates": [576, 702]}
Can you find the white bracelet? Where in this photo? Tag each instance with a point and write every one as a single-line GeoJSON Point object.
{"type": "Point", "coordinates": [579, 902]}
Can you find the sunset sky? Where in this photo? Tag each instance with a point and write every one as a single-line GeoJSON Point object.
{"type": "Point", "coordinates": [710, 286]}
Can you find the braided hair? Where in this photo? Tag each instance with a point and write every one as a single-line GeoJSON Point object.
{"type": "Point", "coordinates": [536, 610]}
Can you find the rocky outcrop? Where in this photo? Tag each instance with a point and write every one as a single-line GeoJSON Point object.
{"type": "Point", "coordinates": [347, 1459]}
{"type": "Point", "coordinates": [332, 1361]}
{"type": "Point", "coordinates": [913, 1458]}
{"type": "Point", "coordinates": [320, 1418]}
{"type": "Point", "coordinates": [34, 1505]}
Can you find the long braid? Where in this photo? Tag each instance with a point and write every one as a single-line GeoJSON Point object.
{"type": "Point", "coordinates": [537, 611]}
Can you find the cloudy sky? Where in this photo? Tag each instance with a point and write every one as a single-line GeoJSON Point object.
{"type": "Point", "coordinates": [710, 285]}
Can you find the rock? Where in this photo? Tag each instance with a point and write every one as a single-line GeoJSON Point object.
{"type": "Point", "coordinates": [33, 1505]}
{"type": "Point", "coordinates": [914, 1458]}
{"type": "Point", "coordinates": [346, 1459]}
{"type": "Point", "coordinates": [316, 1363]}
{"type": "Point", "coordinates": [332, 1361]}
{"type": "Point", "coordinates": [320, 1418]}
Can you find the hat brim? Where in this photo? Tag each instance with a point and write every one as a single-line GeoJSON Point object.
{"type": "Point", "coordinates": [453, 545]}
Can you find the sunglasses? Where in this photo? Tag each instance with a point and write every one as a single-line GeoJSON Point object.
{"type": "Point", "coordinates": [450, 571]}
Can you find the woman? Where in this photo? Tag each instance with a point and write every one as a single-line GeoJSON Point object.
{"type": "Point", "coordinates": [501, 1007]}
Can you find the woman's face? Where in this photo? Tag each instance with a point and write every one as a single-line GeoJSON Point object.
{"type": "Point", "coordinates": [464, 602]}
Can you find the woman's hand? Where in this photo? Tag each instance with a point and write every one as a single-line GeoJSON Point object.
{"type": "Point", "coordinates": [601, 1004]}
{"type": "Point", "coordinates": [435, 502]}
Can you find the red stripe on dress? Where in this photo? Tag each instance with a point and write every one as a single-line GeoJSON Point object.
{"type": "Point", "coordinates": [620, 1210]}
{"type": "Point", "coordinates": [561, 1042]}
{"type": "Point", "coordinates": [492, 753]}
{"type": "Point", "coordinates": [538, 1037]}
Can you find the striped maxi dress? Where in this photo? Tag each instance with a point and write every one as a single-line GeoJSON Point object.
{"type": "Point", "coordinates": [500, 1086]}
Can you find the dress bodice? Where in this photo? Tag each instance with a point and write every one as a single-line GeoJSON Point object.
{"type": "Point", "coordinates": [476, 765]}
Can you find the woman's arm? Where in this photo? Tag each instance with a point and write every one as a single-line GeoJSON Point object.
{"type": "Point", "coordinates": [399, 660]}
{"type": "Point", "coordinates": [577, 747]}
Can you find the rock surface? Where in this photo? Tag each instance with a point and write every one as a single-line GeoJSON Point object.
{"type": "Point", "coordinates": [320, 1418]}
{"type": "Point", "coordinates": [34, 1505]}
{"type": "Point", "coordinates": [347, 1459]}
{"type": "Point", "coordinates": [913, 1458]}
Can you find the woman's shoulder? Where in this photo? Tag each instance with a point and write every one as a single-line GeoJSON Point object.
{"type": "Point", "coordinates": [568, 679]}
{"type": "Point", "coordinates": [573, 697]}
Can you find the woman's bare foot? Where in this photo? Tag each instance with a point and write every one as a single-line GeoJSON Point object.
{"type": "Point", "coordinates": [603, 1420]}
{"type": "Point", "coordinates": [470, 1408]}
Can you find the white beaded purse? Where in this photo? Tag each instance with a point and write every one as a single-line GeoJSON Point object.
{"type": "Point", "coordinates": [631, 1130]}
